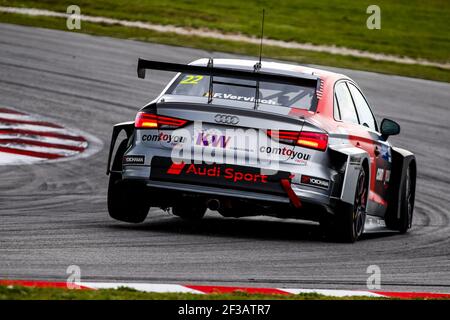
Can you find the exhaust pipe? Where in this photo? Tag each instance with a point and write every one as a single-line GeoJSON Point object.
{"type": "Point", "coordinates": [213, 204]}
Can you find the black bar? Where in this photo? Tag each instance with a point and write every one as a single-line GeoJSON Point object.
{"type": "Point", "coordinates": [304, 80]}
{"type": "Point", "coordinates": [234, 84]}
{"type": "Point", "coordinates": [224, 309]}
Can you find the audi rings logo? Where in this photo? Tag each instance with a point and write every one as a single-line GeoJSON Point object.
{"type": "Point", "coordinates": [226, 119]}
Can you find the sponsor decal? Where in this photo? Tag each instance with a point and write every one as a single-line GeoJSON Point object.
{"type": "Point", "coordinates": [387, 176]}
{"type": "Point", "coordinates": [176, 168]}
{"type": "Point", "coordinates": [164, 137]}
{"type": "Point", "coordinates": [212, 140]}
{"type": "Point", "coordinates": [133, 159]}
{"type": "Point", "coordinates": [355, 160]}
{"type": "Point", "coordinates": [226, 119]}
{"type": "Point", "coordinates": [230, 96]}
{"type": "Point", "coordinates": [380, 174]}
{"type": "Point", "coordinates": [314, 181]}
{"type": "Point", "coordinates": [214, 171]}
{"type": "Point", "coordinates": [218, 175]}
{"type": "Point", "coordinates": [284, 151]}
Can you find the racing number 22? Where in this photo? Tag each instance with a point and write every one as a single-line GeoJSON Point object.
{"type": "Point", "coordinates": [191, 79]}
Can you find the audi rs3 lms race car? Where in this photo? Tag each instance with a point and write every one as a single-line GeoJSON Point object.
{"type": "Point", "coordinates": [251, 138]}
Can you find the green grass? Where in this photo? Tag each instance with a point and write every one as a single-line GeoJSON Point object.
{"type": "Point", "coordinates": [299, 56]}
{"type": "Point", "coordinates": [414, 28]}
{"type": "Point", "coordinates": [27, 293]}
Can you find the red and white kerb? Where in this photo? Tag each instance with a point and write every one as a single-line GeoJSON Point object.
{"type": "Point", "coordinates": [211, 289]}
{"type": "Point", "coordinates": [28, 139]}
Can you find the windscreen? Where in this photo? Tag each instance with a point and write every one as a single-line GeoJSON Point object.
{"type": "Point", "coordinates": [270, 93]}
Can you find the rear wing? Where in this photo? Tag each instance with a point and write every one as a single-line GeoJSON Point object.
{"type": "Point", "coordinates": [304, 80]}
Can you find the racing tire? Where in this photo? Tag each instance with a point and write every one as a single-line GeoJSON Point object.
{"type": "Point", "coordinates": [126, 200]}
{"type": "Point", "coordinates": [406, 203]}
{"type": "Point", "coordinates": [189, 211]}
{"type": "Point", "coordinates": [348, 223]}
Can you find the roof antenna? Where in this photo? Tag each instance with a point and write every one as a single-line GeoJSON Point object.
{"type": "Point", "coordinates": [257, 65]}
{"type": "Point", "coordinates": [211, 81]}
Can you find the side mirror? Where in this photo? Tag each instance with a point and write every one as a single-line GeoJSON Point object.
{"type": "Point", "coordinates": [389, 128]}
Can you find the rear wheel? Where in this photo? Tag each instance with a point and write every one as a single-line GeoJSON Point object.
{"type": "Point", "coordinates": [348, 223]}
{"type": "Point", "coordinates": [127, 201]}
{"type": "Point", "coordinates": [407, 203]}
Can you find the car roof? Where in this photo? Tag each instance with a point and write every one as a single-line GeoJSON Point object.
{"type": "Point", "coordinates": [272, 67]}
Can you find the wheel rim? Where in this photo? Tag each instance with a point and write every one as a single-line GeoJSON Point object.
{"type": "Point", "coordinates": [408, 197]}
{"type": "Point", "coordinates": [359, 211]}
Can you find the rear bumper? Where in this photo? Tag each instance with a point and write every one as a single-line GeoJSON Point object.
{"type": "Point", "coordinates": [214, 191]}
{"type": "Point", "coordinates": [246, 203]}
{"type": "Point", "coordinates": [303, 192]}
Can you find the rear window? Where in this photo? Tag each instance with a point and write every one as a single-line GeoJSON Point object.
{"type": "Point", "coordinates": [270, 93]}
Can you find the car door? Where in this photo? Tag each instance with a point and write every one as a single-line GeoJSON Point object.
{"type": "Point", "coordinates": [357, 119]}
{"type": "Point", "coordinates": [380, 150]}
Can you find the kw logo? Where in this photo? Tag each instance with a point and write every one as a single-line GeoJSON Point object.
{"type": "Point", "coordinates": [206, 139]}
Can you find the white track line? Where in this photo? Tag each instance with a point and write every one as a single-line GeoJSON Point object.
{"type": "Point", "coordinates": [334, 293]}
{"type": "Point", "coordinates": [145, 287]}
{"type": "Point", "coordinates": [206, 33]}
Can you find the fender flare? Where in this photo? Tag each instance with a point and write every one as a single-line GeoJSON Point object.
{"type": "Point", "coordinates": [128, 127]}
{"type": "Point", "coordinates": [347, 160]}
{"type": "Point", "coordinates": [401, 159]}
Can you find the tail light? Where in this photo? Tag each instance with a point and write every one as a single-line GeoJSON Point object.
{"type": "Point", "coordinates": [312, 140]}
{"type": "Point", "coordinates": [153, 121]}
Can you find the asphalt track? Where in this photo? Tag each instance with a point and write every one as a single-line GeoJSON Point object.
{"type": "Point", "coordinates": [53, 215]}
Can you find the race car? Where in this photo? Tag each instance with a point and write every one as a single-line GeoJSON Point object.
{"type": "Point", "coordinates": [248, 138]}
